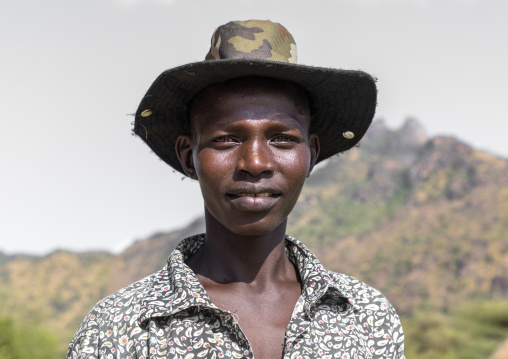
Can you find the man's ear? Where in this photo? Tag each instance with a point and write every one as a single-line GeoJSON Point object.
{"type": "Point", "coordinates": [314, 150]}
{"type": "Point", "coordinates": [183, 148]}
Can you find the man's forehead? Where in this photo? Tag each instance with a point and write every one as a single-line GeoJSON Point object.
{"type": "Point", "coordinates": [250, 86]}
{"type": "Point", "coordinates": [250, 98]}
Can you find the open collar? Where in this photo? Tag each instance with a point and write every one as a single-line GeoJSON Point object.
{"type": "Point", "coordinates": [176, 288]}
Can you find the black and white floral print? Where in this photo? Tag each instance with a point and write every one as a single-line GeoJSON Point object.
{"type": "Point", "coordinates": [169, 315]}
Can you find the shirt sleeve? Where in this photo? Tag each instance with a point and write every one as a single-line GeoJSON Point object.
{"type": "Point", "coordinates": [396, 335]}
{"type": "Point", "coordinates": [85, 344]}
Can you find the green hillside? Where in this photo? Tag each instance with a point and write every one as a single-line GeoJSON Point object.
{"type": "Point", "coordinates": [423, 220]}
{"type": "Point", "coordinates": [428, 225]}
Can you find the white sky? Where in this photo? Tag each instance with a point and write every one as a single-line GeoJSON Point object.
{"type": "Point", "coordinates": [72, 176]}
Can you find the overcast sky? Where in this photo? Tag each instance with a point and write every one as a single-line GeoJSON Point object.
{"type": "Point", "coordinates": [73, 177]}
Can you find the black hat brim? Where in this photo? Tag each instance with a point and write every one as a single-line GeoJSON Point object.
{"type": "Point", "coordinates": [341, 101]}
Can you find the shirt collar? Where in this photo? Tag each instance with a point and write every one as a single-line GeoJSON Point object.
{"type": "Point", "coordinates": [316, 280]}
{"type": "Point", "coordinates": [176, 287]}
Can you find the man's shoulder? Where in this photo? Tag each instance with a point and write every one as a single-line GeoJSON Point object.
{"type": "Point", "coordinates": [118, 305]}
{"type": "Point", "coordinates": [129, 295]}
{"type": "Point", "coordinates": [109, 318]}
{"type": "Point", "coordinates": [360, 294]}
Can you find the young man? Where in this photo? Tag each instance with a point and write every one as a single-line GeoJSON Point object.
{"type": "Point", "coordinates": [249, 124]}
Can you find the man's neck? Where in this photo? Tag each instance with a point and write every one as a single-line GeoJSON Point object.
{"type": "Point", "coordinates": [226, 257]}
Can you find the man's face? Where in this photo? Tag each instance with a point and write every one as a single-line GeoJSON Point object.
{"type": "Point", "coordinates": [250, 151]}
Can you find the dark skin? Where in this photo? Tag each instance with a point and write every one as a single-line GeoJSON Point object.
{"type": "Point", "coordinates": [250, 151]}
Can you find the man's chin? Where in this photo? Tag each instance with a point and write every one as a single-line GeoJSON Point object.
{"type": "Point", "coordinates": [252, 225]}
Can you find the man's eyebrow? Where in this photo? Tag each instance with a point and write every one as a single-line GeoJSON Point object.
{"type": "Point", "coordinates": [277, 125]}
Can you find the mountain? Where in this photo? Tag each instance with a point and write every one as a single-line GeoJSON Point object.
{"type": "Point", "coordinates": [425, 220]}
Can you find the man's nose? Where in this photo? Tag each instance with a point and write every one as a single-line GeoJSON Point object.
{"type": "Point", "coordinates": [256, 158]}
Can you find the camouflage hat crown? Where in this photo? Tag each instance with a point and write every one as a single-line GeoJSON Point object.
{"type": "Point", "coordinates": [253, 39]}
{"type": "Point", "coordinates": [343, 101]}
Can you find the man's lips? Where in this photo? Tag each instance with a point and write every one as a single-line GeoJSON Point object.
{"type": "Point", "coordinates": [254, 200]}
{"type": "Point", "coordinates": [249, 191]}
{"type": "Point", "coordinates": [264, 194]}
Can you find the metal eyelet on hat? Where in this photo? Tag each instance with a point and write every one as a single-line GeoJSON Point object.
{"type": "Point", "coordinates": [348, 134]}
{"type": "Point", "coordinates": [146, 113]}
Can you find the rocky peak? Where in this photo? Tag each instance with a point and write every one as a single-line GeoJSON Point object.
{"type": "Point", "coordinates": [412, 130]}
{"type": "Point", "coordinates": [402, 144]}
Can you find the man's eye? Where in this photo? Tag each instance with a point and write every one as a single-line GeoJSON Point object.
{"type": "Point", "coordinates": [282, 138]}
{"type": "Point", "coordinates": [225, 139]}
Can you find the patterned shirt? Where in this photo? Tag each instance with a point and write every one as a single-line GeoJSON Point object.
{"type": "Point", "coordinates": [169, 315]}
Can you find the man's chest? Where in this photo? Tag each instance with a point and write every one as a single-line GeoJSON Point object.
{"type": "Point", "coordinates": [263, 319]}
{"type": "Point", "coordinates": [329, 333]}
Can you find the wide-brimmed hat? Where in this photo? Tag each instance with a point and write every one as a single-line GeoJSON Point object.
{"type": "Point", "coordinates": [343, 102]}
